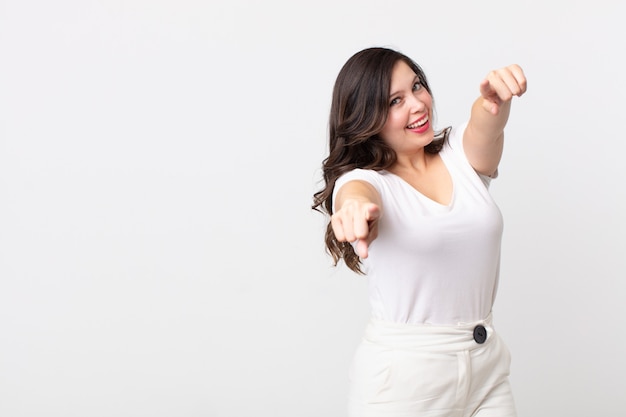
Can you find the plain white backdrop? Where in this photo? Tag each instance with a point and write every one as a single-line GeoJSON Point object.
{"type": "Point", "coordinates": [158, 253]}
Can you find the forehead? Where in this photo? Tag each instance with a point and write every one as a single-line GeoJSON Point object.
{"type": "Point", "coordinates": [401, 74]}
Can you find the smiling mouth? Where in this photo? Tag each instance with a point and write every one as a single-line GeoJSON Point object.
{"type": "Point", "coordinates": [421, 122]}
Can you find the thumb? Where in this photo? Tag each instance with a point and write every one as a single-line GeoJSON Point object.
{"type": "Point", "coordinates": [491, 107]}
{"type": "Point", "coordinates": [490, 103]}
{"type": "Point", "coordinates": [372, 213]}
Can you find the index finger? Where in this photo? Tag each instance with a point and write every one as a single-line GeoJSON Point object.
{"type": "Point", "coordinates": [362, 221]}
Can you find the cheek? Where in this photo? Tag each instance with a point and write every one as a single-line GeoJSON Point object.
{"type": "Point", "coordinates": [388, 127]}
{"type": "Point", "coordinates": [428, 100]}
{"type": "Point", "coordinates": [393, 127]}
{"type": "Point", "coordinates": [396, 121]}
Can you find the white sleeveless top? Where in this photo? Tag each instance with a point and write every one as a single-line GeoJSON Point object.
{"type": "Point", "coordinates": [434, 263]}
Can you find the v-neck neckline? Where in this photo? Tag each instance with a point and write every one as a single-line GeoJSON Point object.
{"type": "Point", "coordinates": [424, 196]}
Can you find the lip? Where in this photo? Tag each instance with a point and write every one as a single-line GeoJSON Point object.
{"type": "Point", "coordinates": [423, 128]}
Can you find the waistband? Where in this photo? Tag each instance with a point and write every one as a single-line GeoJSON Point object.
{"type": "Point", "coordinates": [441, 338]}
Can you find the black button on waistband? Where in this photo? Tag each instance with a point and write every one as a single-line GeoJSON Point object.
{"type": "Point", "coordinates": [480, 334]}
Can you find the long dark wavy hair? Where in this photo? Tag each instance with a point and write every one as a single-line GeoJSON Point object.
{"type": "Point", "coordinates": [359, 108]}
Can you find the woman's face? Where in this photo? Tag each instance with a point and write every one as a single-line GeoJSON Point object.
{"type": "Point", "coordinates": [409, 122]}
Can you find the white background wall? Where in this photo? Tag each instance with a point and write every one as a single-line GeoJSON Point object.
{"type": "Point", "coordinates": [158, 254]}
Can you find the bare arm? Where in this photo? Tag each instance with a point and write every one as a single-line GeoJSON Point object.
{"type": "Point", "coordinates": [483, 139]}
{"type": "Point", "coordinates": [357, 210]}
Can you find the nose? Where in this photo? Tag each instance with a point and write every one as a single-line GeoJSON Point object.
{"type": "Point", "coordinates": [415, 104]}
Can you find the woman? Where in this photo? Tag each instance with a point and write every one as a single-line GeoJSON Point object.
{"type": "Point", "coordinates": [410, 208]}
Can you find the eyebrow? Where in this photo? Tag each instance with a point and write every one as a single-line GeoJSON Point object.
{"type": "Point", "coordinates": [417, 78]}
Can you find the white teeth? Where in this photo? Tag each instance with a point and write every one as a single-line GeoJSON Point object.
{"type": "Point", "coordinates": [418, 124]}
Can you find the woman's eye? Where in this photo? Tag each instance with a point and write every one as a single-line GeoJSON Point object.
{"type": "Point", "coordinates": [417, 86]}
{"type": "Point", "coordinates": [394, 101]}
